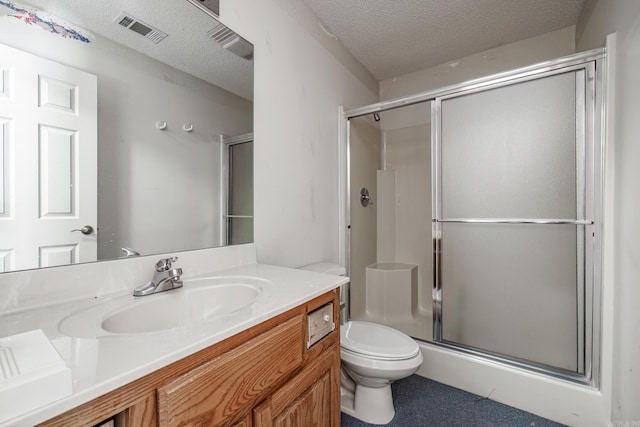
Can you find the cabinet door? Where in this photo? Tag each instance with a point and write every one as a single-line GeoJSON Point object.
{"type": "Point", "coordinates": [219, 391]}
{"type": "Point", "coordinates": [311, 398]}
{"type": "Point", "coordinates": [312, 408]}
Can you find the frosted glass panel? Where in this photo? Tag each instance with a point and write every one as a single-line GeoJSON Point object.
{"type": "Point", "coordinates": [240, 230]}
{"type": "Point", "coordinates": [512, 289]}
{"type": "Point", "coordinates": [510, 152]}
{"type": "Point", "coordinates": [241, 179]}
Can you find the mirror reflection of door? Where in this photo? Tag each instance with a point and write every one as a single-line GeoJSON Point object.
{"type": "Point", "coordinates": [48, 155]}
{"type": "Point", "coordinates": [239, 215]}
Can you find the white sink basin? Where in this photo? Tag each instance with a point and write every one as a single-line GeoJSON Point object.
{"type": "Point", "coordinates": [199, 300]}
{"type": "Point", "coordinates": [181, 307]}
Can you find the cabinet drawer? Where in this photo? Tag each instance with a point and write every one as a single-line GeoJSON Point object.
{"type": "Point", "coordinates": [216, 392]}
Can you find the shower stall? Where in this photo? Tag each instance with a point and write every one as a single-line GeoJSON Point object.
{"type": "Point", "coordinates": [473, 216]}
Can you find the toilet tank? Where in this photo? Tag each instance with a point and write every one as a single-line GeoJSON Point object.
{"type": "Point", "coordinates": [336, 270]}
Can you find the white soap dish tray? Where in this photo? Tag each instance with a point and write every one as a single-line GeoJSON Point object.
{"type": "Point", "coordinates": [32, 374]}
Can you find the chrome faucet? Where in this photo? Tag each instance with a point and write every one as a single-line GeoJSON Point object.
{"type": "Point", "coordinates": [164, 278]}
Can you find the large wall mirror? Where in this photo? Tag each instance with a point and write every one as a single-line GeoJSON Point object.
{"type": "Point", "coordinates": [125, 129]}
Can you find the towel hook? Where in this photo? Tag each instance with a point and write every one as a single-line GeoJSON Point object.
{"type": "Point", "coordinates": [161, 125]}
{"type": "Point", "coordinates": [187, 127]}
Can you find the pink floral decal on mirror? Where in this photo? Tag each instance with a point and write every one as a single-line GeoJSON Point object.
{"type": "Point", "coordinates": [44, 20]}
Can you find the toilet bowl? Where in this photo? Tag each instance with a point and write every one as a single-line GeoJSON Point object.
{"type": "Point", "coordinates": [373, 356]}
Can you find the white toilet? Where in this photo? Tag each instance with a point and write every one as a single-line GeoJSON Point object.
{"type": "Point", "coordinates": [373, 356]}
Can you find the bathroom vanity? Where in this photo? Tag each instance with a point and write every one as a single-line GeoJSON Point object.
{"type": "Point", "coordinates": [274, 363]}
{"type": "Point", "coordinates": [260, 377]}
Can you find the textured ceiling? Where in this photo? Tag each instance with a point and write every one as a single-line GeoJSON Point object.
{"type": "Point", "coordinates": [396, 37]}
{"type": "Point", "coordinates": [187, 48]}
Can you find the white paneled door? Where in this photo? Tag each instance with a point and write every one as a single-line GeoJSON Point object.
{"type": "Point", "coordinates": [48, 162]}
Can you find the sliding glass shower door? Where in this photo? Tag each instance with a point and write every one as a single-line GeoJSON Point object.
{"type": "Point", "coordinates": [513, 212]}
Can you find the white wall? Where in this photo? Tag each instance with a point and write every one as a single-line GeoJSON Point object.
{"type": "Point", "coordinates": [504, 58]}
{"type": "Point", "coordinates": [156, 189]}
{"type": "Point", "coordinates": [623, 17]}
{"type": "Point", "coordinates": [299, 84]}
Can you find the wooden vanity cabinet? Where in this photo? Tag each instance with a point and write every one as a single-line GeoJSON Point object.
{"type": "Point", "coordinates": [264, 376]}
{"type": "Point", "coordinates": [308, 399]}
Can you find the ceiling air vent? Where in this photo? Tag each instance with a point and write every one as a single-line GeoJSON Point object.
{"type": "Point", "coordinates": [231, 41]}
{"type": "Point", "coordinates": [134, 24]}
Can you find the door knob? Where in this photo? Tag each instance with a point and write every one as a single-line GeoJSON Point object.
{"type": "Point", "coordinates": [86, 230]}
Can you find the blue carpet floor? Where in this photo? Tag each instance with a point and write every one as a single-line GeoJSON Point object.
{"type": "Point", "coordinates": [423, 402]}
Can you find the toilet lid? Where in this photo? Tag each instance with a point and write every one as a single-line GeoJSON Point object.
{"type": "Point", "coordinates": [375, 340]}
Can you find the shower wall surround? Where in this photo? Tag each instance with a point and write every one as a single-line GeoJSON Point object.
{"type": "Point", "coordinates": [365, 161]}
{"type": "Point", "coordinates": [408, 155]}
{"type": "Point", "coordinates": [391, 159]}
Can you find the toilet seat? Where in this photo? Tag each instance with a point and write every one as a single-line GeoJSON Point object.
{"type": "Point", "coordinates": [377, 341]}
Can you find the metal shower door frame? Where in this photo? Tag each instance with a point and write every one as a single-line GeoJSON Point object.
{"type": "Point", "coordinates": [592, 337]}
{"type": "Point", "coordinates": [589, 173]}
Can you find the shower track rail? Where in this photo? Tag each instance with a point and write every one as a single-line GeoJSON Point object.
{"type": "Point", "coordinates": [515, 221]}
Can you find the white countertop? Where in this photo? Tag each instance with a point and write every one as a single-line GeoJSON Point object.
{"type": "Point", "coordinates": [106, 362]}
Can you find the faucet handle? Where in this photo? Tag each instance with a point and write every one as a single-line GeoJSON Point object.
{"type": "Point", "coordinates": [175, 274]}
{"type": "Point", "coordinates": [165, 264]}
